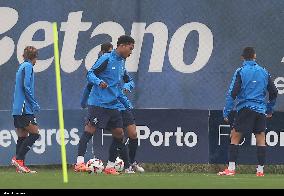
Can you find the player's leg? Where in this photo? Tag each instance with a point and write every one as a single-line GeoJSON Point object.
{"type": "Point", "coordinates": [234, 149]}
{"type": "Point", "coordinates": [22, 135]}
{"type": "Point", "coordinates": [132, 147]}
{"type": "Point", "coordinates": [133, 142]}
{"type": "Point", "coordinates": [259, 131]}
{"type": "Point", "coordinates": [129, 125]}
{"type": "Point", "coordinates": [118, 142]}
{"type": "Point", "coordinates": [89, 130]}
{"type": "Point", "coordinates": [232, 153]}
{"type": "Point", "coordinates": [30, 125]}
{"type": "Point", "coordinates": [243, 123]}
{"type": "Point", "coordinates": [82, 147]}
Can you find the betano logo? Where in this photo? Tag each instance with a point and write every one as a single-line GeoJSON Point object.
{"type": "Point", "coordinates": [74, 25]}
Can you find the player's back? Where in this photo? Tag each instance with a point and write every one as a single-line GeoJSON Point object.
{"type": "Point", "coordinates": [254, 81]}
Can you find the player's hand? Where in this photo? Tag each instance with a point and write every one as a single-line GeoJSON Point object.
{"type": "Point", "coordinates": [226, 120]}
{"type": "Point", "coordinates": [103, 85]}
{"type": "Point", "coordinates": [268, 115]}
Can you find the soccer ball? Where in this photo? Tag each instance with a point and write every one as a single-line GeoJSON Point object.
{"type": "Point", "coordinates": [95, 166]}
{"type": "Point", "coordinates": [119, 164]}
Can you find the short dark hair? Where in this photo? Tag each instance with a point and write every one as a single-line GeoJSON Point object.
{"type": "Point", "coordinates": [105, 47]}
{"type": "Point", "coordinates": [30, 53]}
{"type": "Point", "coordinates": [125, 39]}
{"type": "Point", "coordinates": [248, 53]}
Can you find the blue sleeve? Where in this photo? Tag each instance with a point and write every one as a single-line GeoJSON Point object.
{"type": "Point", "coordinates": [28, 70]}
{"type": "Point", "coordinates": [272, 90]}
{"type": "Point", "coordinates": [232, 93]}
{"type": "Point", "coordinates": [85, 96]}
{"type": "Point", "coordinates": [98, 67]}
{"type": "Point", "coordinates": [128, 82]}
{"type": "Point", "coordinates": [125, 101]}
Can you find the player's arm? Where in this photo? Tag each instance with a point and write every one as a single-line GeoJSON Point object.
{"type": "Point", "coordinates": [128, 82]}
{"type": "Point", "coordinates": [232, 94]}
{"type": "Point", "coordinates": [272, 90]}
{"type": "Point", "coordinates": [124, 100]}
{"type": "Point", "coordinates": [28, 71]}
{"type": "Point", "coordinates": [86, 93]}
{"type": "Point", "coordinates": [98, 67]}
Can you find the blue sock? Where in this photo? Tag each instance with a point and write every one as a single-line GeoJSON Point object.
{"type": "Point", "coordinates": [85, 138]}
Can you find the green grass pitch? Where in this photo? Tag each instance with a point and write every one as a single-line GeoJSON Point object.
{"type": "Point", "coordinates": [52, 179]}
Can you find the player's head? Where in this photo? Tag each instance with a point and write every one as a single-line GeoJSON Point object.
{"type": "Point", "coordinates": [30, 53]}
{"type": "Point", "coordinates": [105, 47]}
{"type": "Point", "coordinates": [125, 45]}
{"type": "Point", "coordinates": [249, 54]}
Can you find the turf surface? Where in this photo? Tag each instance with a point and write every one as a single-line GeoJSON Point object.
{"type": "Point", "coordinates": [52, 179]}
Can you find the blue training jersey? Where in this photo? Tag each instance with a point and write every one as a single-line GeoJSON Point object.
{"type": "Point", "coordinates": [24, 100]}
{"type": "Point", "coordinates": [249, 86]}
{"type": "Point", "coordinates": [109, 68]}
{"type": "Point", "coordinates": [127, 83]}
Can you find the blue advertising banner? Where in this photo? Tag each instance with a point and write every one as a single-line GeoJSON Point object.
{"type": "Point", "coordinates": [167, 136]}
{"type": "Point", "coordinates": [219, 139]}
{"type": "Point", "coordinates": [184, 49]}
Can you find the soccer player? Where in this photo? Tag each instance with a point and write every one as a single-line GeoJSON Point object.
{"type": "Point", "coordinates": [249, 86]}
{"type": "Point", "coordinates": [106, 76]}
{"type": "Point", "coordinates": [104, 107]}
{"type": "Point", "coordinates": [89, 128]}
{"type": "Point", "coordinates": [24, 108]}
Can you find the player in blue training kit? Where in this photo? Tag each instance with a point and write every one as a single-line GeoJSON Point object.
{"type": "Point", "coordinates": [249, 86]}
{"type": "Point", "coordinates": [24, 107]}
{"type": "Point", "coordinates": [89, 129]}
{"type": "Point", "coordinates": [103, 105]}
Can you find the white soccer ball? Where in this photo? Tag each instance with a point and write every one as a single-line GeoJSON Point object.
{"type": "Point", "coordinates": [119, 164]}
{"type": "Point", "coordinates": [95, 166]}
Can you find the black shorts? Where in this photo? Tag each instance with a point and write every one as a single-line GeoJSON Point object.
{"type": "Point", "coordinates": [102, 117]}
{"type": "Point", "coordinates": [22, 121]}
{"type": "Point", "coordinates": [127, 118]}
{"type": "Point", "coordinates": [247, 121]}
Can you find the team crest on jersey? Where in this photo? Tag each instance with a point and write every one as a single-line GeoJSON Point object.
{"type": "Point", "coordinates": [95, 120]}
{"type": "Point", "coordinates": [35, 120]}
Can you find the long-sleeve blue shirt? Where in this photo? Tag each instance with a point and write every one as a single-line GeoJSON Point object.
{"type": "Point", "coordinates": [24, 100]}
{"type": "Point", "coordinates": [127, 84]}
{"type": "Point", "coordinates": [110, 69]}
{"type": "Point", "coordinates": [249, 86]}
